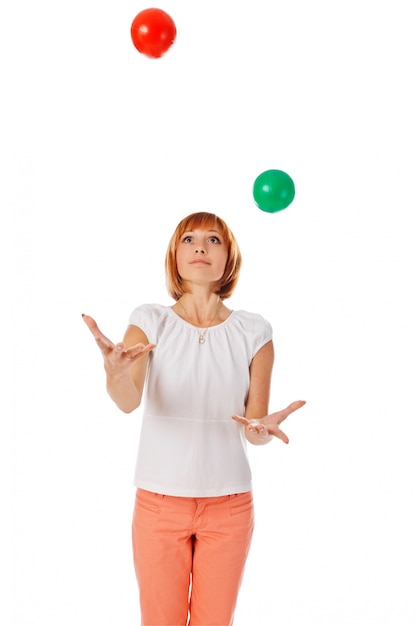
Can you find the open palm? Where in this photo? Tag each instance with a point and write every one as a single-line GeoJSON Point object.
{"type": "Point", "coordinates": [270, 424]}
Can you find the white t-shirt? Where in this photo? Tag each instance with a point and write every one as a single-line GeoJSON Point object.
{"type": "Point", "coordinates": [189, 444]}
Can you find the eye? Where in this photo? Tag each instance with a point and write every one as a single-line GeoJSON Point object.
{"type": "Point", "coordinates": [187, 239]}
{"type": "Point", "coordinates": [214, 240]}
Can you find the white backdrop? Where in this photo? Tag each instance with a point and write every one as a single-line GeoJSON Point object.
{"type": "Point", "coordinates": [103, 152]}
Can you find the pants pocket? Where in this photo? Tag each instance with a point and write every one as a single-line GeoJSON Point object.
{"type": "Point", "coordinates": [241, 503]}
{"type": "Point", "coordinates": [147, 501]}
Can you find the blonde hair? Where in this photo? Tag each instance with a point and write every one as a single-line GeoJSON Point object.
{"type": "Point", "coordinates": [228, 282]}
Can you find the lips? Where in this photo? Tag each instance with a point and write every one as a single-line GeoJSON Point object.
{"type": "Point", "coordinates": [199, 262]}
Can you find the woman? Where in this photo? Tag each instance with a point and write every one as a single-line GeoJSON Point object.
{"type": "Point", "coordinates": [207, 372]}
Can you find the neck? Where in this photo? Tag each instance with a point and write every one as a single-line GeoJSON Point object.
{"type": "Point", "coordinates": [199, 310]}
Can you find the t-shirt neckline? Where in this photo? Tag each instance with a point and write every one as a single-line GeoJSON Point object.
{"type": "Point", "coordinates": [199, 328]}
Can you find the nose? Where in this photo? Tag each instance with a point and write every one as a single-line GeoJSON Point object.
{"type": "Point", "coordinates": [200, 249]}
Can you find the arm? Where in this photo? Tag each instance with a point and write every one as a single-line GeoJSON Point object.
{"type": "Point", "coordinates": [261, 427]}
{"type": "Point", "coordinates": [257, 405]}
{"type": "Point", "coordinates": [125, 387]}
{"type": "Point", "coordinates": [124, 363]}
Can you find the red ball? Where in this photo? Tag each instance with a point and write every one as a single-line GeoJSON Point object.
{"type": "Point", "coordinates": [153, 32]}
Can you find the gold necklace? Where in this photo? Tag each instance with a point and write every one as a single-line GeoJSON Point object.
{"type": "Point", "coordinates": [202, 332]}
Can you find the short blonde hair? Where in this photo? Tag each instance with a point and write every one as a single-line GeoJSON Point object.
{"type": "Point", "coordinates": [228, 282]}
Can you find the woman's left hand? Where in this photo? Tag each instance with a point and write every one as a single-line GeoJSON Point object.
{"type": "Point", "coordinates": [270, 424]}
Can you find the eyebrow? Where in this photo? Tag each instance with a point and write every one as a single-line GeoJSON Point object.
{"type": "Point", "coordinates": [210, 230]}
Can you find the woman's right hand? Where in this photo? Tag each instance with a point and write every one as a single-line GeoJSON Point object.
{"type": "Point", "coordinates": [117, 358]}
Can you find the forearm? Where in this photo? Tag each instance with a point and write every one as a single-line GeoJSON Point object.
{"type": "Point", "coordinates": [258, 396]}
{"type": "Point", "coordinates": [123, 391]}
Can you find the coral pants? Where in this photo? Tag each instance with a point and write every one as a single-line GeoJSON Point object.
{"type": "Point", "coordinates": [189, 557]}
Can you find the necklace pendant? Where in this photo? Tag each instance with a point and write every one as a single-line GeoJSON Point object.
{"type": "Point", "coordinates": [202, 338]}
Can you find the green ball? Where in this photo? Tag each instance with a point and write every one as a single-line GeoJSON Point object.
{"type": "Point", "coordinates": [273, 190]}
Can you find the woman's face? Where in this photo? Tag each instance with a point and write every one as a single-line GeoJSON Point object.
{"type": "Point", "coordinates": [201, 256]}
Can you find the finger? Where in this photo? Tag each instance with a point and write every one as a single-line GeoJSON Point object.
{"type": "Point", "coordinates": [240, 420]}
{"type": "Point", "coordinates": [259, 429]}
{"type": "Point", "coordinates": [91, 323]}
{"type": "Point", "coordinates": [96, 332]}
{"type": "Point", "coordinates": [119, 349]}
{"type": "Point", "coordinates": [137, 351]}
{"type": "Point", "coordinates": [255, 426]}
{"type": "Point", "coordinates": [279, 434]}
{"type": "Point", "coordinates": [293, 406]}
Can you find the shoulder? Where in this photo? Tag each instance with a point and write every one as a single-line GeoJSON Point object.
{"type": "Point", "coordinates": [253, 321]}
{"type": "Point", "coordinates": [149, 314]}
{"type": "Point", "coordinates": [254, 328]}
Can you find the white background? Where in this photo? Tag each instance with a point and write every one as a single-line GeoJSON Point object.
{"type": "Point", "coordinates": [103, 152]}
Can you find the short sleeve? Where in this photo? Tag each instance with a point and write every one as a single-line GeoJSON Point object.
{"type": "Point", "coordinates": [256, 330]}
{"type": "Point", "coordinates": [262, 333]}
{"type": "Point", "coordinates": [144, 316]}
